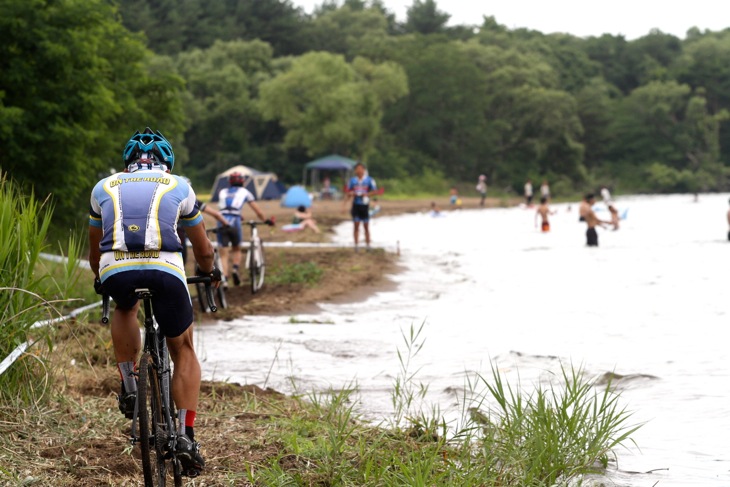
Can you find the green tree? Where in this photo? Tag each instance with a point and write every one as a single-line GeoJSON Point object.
{"type": "Point", "coordinates": [328, 105]}
{"type": "Point", "coordinates": [226, 127]}
{"type": "Point", "coordinates": [74, 85]}
{"type": "Point", "coordinates": [705, 63]}
{"type": "Point", "coordinates": [424, 17]}
{"type": "Point", "coordinates": [443, 118]}
{"type": "Point", "coordinates": [532, 126]}
{"type": "Point", "coordinates": [173, 26]}
{"type": "Point", "coordinates": [349, 30]}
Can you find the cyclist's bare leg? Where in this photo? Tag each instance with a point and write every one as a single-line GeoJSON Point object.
{"type": "Point", "coordinates": [366, 227]}
{"type": "Point", "coordinates": [186, 378]}
{"type": "Point", "coordinates": [236, 256]}
{"type": "Point", "coordinates": [224, 260]}
{"type": "Point", "coordinates": [356, 233]}
{"type": "Point", "coordinates": [125, 334]}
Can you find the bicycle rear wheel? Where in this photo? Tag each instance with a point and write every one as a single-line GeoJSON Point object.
{"type": "Point", "coordinates": [152, 426]}
{"type": "Point", "coordinates": [256, 266]}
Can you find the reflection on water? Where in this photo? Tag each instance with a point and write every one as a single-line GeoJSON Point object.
{"type": "Point", "coordinates": [648, 305]}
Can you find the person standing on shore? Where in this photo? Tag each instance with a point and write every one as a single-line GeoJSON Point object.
{"type": "Point", "coordinates": [592, 221]}
{"type": "Point", "coordinates": [545, 189]}
{"type": "Point", "coordinates": [482, 188]}
{"type": "Point", "coordinates": [359, 189]}
{"type": "Point", "coordinates": [606, 195]}
{"type": "Point", "coordinates": [528, 192]}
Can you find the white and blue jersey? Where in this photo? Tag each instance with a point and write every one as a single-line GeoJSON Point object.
{"type": "Point", "coordinates": [139, 213]}
{"type": "Point", "coordinates": [231, 201]}
{"type": "Point", "coordinates": [360, 188]}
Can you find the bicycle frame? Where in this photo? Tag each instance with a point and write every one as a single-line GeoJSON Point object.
{"type": "Point", "coordinates": [154, 366]}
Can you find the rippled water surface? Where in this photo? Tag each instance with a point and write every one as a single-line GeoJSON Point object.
{"type": "Point", "coordinates": [649, 304]}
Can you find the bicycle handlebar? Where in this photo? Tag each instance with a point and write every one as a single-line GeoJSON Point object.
{"type": "Point", "coordinates": [271, 222]}
{"type": "Point", "coordinates": [208, 290]}
{"type": "Point", "coordinates": [191, 280]}
{"type": "Point", "coordinates": [105, 309]}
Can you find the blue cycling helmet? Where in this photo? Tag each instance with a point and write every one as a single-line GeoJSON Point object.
{"type": "Point", "coordinates": [149, 142]}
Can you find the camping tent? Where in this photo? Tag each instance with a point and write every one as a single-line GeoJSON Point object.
{"type": "Point", "coordinates": [331, 163]}
{"type": "Point", "coordinates": [295, 197]}
{"type": "Point", "coordinates": [264, 186]}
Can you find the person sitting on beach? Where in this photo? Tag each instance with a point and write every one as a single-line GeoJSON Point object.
{"type": "Point", "coordinates": [435, 210]}
{"type": "Point", "coordinates": [303, 218]}
{"type": "Point", "coordinates": [543, 211]}
{"type": "Point", "coordinates": [614, 215]}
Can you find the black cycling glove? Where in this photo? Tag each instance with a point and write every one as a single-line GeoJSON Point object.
{"type": "Point", "coordinates": [215, 275]}
{"type": "Point", "coordinates": [98, 287]}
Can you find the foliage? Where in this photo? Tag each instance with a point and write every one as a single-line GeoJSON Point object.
{"type": "Point", "coordinates": [327, 105]}
{"type": "Point", "coordinates": [307, 273]}
{"type": "Point", "coordinates": [27, 295]}
{"type": "Point", "coordinates": [553, 434]}
{"type": "Point", "coordinates": [264, 84]}
{"type": "Point", "coordinates": [74, 84]}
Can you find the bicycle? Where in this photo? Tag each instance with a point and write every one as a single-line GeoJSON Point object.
{"type": "Point", "coordinates": [220, 292]}
{"type": "Point", "coordinates": [154, 409]}
{"type": "Point", "coordinates": [255, 262]}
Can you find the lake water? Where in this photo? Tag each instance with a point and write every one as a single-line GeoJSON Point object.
{"type": "Point", "coordinates": [649, 304]}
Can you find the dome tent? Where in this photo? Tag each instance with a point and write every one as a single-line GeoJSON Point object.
{"type": "Point", "coordinates": [264, 186]}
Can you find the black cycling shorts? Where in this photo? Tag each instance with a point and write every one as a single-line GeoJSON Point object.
{"type": "Point", "coordinates": [170, 301]}
{"type": "Point", "coordinates": [230, 235]}
{"type": "Point", "coordinates": [360, 213]}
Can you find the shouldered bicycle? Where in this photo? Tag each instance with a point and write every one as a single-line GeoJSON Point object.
{"type": "Point", "coordinates": [154, 424]}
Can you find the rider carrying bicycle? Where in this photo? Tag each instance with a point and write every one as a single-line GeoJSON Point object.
{"type": "Point", "coordinates": [230, 203]}
{"type": "Point", "coordinates": [133, 244]}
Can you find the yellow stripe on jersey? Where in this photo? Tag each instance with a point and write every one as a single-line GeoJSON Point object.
{"type": "Point", "coordinates": [156, 264]}
{"type": "Point", "coordinates": [156, 210]}
{"type": "Point", "coordinates": [114, 195]}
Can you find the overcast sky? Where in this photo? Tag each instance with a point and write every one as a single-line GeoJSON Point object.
{"type": "Point", "coordinates": [632, 18]}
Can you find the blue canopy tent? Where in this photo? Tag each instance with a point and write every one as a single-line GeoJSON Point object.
{"type": "Point", "coordinates": [331, 163]}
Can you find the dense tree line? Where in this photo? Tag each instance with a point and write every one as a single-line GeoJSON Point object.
{"type": "Point", "coordinates": [261, 82]}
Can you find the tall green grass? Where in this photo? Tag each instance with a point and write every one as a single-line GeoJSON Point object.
{"type": "Point", "coordinates": [27, 294]}
{"type": "Point", "coordinates": [554, 434]}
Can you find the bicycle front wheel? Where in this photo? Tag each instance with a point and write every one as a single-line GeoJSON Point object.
{"type": "Point", "coordinates": [152, 427]}
{"type": "Point", "coordinates": [221, 293]}
{"type": "Point", "coordinates": [202, 299]}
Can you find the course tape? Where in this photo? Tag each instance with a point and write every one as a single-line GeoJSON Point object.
{"type": "Point", "coordinates": [20, 349]}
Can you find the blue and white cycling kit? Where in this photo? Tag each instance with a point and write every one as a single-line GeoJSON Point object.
{"type": "Point", "coordinates": [360, 203]}
{"type": "Point", "coordinates": [230, 203]}
{"type": "Point", "coordinates": [138, 213]}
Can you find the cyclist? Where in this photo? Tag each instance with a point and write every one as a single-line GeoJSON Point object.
{"type": "Point", "coordinates": [204, 208]}
{"type": "Point", "coordinates": [133, 244]}
{"type": "Point", "coordinates": [359, 188]}
{"type": "Point", "coordinates": [230, 203]}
